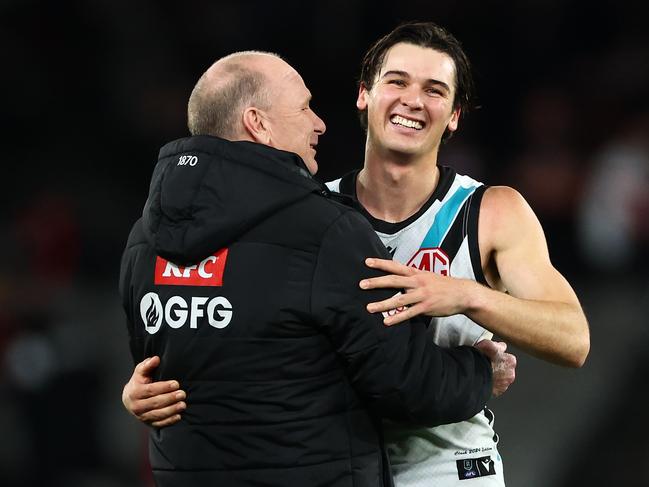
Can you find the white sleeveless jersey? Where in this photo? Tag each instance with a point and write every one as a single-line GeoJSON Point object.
{"type": "Point", "coordinates": [441, 237]}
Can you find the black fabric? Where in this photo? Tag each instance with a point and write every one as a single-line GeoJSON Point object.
{"type": "Point", "coordinates": [472, 232]}
{"type": "Point", "coordinates": [290, 391]}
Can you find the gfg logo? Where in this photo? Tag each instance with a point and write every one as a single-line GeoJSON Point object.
{"type": "Point", "coordinates": [176, 311]}
{"type": "Point", "coordinates": [184, 160]}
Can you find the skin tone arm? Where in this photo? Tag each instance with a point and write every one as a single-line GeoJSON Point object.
{"type": "Point", "coordinates": [161, 403]}
{"type": "Point", "coordinates": [530, 304]}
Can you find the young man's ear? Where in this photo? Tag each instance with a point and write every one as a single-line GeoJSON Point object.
{"type": "Point", "coordinates": [361, 101]}
{"type": "Point", "coordinates": [256, 125]}
{"type": "Point", "coordinates": [455, 120]}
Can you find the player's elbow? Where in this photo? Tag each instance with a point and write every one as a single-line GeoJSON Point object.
{"type": "Point", "coordinates": [580, 349]}
{"type": "Point", "coordinates": [581, 353]}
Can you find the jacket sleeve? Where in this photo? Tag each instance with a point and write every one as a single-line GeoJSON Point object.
{"type": "Point", "coordinates": [398, 370]}
{"type": "Point", "coordinates": [126, 293]}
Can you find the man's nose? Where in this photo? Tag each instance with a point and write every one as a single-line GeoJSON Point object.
{"type": "Point", "coordinates": [411, 97]}
{"type": "Point", "coordinates": [319, 126]}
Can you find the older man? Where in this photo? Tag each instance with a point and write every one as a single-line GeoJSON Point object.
{"type": "Point", "coordinates": [243, 276]}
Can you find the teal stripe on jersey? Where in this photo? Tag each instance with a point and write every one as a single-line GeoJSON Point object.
{"type": "Point", "coordinates": [445, 217]}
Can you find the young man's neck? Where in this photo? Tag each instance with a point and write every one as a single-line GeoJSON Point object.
{"type": "Point", "coordinates": [393, 188]}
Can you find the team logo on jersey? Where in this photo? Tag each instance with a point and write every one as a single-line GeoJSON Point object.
{"type": "Point", "coordinates": [177, 311]}
{"type": "Point", "coordinates": [431, 260]}
{"type": "Point", "coordinates": [471, 468]}
{"type": "Point", "coordinates": [391, 250]}
{"type": "Point", "coordinates": [209, 272]}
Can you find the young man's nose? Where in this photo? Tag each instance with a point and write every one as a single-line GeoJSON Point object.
{"type": "Point", "coordinates": [411, 97]}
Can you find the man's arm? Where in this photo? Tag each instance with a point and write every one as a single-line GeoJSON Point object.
{"type": "Point", "coordinates": [538, 312]}
{"type": "Point", "coordinates": [398, 371]}
{"type": "Point", "coordinates": [160, 404]}
{"type": "Point", "coordinates": [385, 365]}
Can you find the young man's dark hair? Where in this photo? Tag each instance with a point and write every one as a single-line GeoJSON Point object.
{"type": "Point", "coordinates": [424, 34]}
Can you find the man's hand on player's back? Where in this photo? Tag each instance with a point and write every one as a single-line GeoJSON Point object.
{"type": "Point", "coordinates": [155, 403]}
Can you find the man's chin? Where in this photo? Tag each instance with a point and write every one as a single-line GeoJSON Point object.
{"type": "Point", "coordinates": [404, 149]}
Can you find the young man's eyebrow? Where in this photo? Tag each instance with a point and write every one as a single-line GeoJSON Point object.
{"type": "Point", "coordinates": [404, 74]}
{"type": "Point", "coordinates": [395, 72]}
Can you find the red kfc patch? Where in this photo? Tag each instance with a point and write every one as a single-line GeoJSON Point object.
{"type": "Point", "coordinates": [209, 272]}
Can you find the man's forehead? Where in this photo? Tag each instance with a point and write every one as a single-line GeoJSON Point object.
{"type": "Point", "coordinates": [418, 61]}
{"type": "Point", "coordinates": [291, 80]}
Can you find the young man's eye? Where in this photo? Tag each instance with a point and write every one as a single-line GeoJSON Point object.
{"type": "Point", "coordinates": [398, 82]}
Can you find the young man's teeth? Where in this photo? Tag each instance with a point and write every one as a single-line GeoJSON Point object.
{"type": "Point", "coordinates": [406, 123]}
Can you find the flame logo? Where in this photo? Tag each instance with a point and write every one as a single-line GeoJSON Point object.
{"type": "Point", "coordinates": [151, 312]}
{"type": "Point", "coordinates": [152, 315]}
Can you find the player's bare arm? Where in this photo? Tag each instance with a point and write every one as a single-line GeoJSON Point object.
{"type": "Point", "coordinates": [538, 312]}
{"type": "Point", "coordinates": [155, 403]}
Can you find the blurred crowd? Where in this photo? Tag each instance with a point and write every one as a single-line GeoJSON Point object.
{"type": "Point", "coordinates": [93, 89]}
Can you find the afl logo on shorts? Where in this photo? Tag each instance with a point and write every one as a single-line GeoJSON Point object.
{"type": "Point", "coordinates": [431, 260]}
{"type": "Point", "coordinates": [472, 468]}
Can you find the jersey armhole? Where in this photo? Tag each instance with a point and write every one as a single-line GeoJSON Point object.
{"type": "Point", "coordinates": [474, 247]}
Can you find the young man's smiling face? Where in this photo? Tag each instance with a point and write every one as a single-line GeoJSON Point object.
{"type": "Point", "coordinates": [410, 104]}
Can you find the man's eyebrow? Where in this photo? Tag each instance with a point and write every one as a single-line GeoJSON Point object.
{"type": "Point", "coordinates": [404, 74]}
{"type": "Point", "coordinates": [395, 72]}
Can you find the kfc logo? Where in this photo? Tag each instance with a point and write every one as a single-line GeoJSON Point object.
{"type": "Point", "coordinates": [209, 272]}
{"type": "Point", "coordinates": [432, 260]}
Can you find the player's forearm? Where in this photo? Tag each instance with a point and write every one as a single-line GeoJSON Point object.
{"type": "Point", "coordinates": [554, 331]}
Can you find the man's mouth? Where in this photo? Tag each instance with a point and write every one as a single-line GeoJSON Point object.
{"type": "Point", "coordinates": [406, 122]}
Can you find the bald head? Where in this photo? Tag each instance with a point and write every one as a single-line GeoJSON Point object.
{"type": "Point", "coordinates": [227, 88]}
{"type": "Point", "coordinates": [258, 97]}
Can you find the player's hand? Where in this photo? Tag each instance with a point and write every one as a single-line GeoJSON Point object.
{"type": "Point", "coordinates": [155, 403]}
{"type": "Point", "coordinates": [502, 363]}
{"type": "Point", "coordinates": [425, 292]}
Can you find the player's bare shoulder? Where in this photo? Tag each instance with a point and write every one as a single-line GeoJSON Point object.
{"type": "Point", "coordinates": [505, 218]}
{"type": "Point", "coordinates": [508, 232]}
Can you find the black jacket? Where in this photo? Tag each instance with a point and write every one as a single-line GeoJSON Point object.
{"type": "Point", "coordinates": [266, 328]}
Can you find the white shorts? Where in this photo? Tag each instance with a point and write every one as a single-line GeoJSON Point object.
{"type": "Point", "coordinates": [456, 455]}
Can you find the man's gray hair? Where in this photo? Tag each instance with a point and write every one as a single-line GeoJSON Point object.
{"type": "Point", "coordinates": [215, 105]}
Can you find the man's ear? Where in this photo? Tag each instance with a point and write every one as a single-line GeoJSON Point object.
{"type": "Point", "coordinates": [256, 125]}
{"type": "Point", "coordinates": [361, 101]}
{"type": "Point", "coordinates": [455, 120]}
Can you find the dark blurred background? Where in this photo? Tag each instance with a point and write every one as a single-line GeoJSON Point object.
{"type": "Point", "coordinates": [93, 89]}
